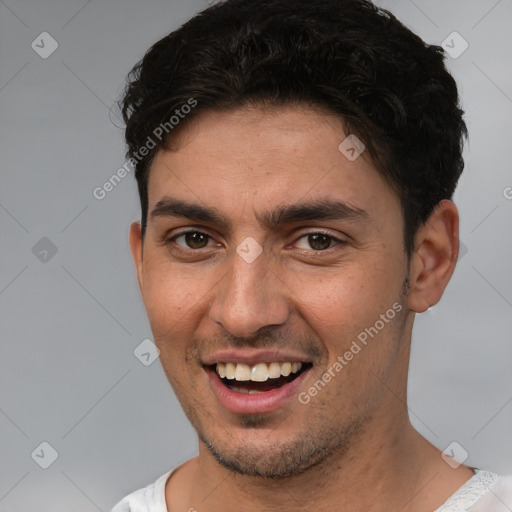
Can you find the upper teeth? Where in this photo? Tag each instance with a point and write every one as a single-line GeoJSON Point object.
{"type": "Point", "coordinates": [258, 373]}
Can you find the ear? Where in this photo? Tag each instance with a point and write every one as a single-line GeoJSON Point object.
{"type": "Point", "coordinates": [433, 261]}
{"type": "Point", "coordinates": [136, 250]}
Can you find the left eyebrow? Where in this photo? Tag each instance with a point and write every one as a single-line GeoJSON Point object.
{"type": "Point", "coordinates": [317, 210]}
{"type": "Point", "coordinates": [320, 209]}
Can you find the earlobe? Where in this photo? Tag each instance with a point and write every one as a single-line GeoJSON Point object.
{"type": "Point", "coordinates": [434, 258]}
{"type": "Point", "coordinates": [136, 250]}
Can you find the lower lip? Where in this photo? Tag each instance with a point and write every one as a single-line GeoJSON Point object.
{"type": "Point", "coordinates": [257, 403]}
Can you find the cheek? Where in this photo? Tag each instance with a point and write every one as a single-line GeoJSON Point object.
{"type": "Point", "coordinates": [345, 313]}
{"type": "Point", "coordinates": [168, 306]}
{"type": "Point", "coordinates": [343, 297]}
{"type": "Point", "coordinates": [164, 305]}
{"type": "Point", "coordinates": [175, 304]}
{"type": "Point", "coordinates": [169, 295]}
{"type": "Point", "coordinates": [344, 307]}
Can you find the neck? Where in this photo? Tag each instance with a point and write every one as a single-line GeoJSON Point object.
{"type": "Point", "coordinates": [389, 467]}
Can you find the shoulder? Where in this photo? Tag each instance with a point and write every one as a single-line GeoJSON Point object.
{"type": "Point", "coordinates": [498, 495]}
{"type": "Point", "coordinates": [147, 499]}
{"type": "Point", "coordinates": [483, 492]}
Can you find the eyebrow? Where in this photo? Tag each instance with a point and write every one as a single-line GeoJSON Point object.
{"type": "Point", "coordinates": [316, 210]}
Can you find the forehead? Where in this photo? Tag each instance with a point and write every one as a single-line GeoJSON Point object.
{"type": "Point", "coordinates": [265, 156]}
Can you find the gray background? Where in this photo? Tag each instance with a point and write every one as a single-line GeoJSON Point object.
{"type": "Point", "coordinates": [70, 323]}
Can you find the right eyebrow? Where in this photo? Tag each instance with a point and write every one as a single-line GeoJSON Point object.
{"type": "Point", "coordinates": [173, 207]}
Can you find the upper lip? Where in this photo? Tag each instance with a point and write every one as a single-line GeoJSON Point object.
{"type": "Point", "coordinates": [253, 356]}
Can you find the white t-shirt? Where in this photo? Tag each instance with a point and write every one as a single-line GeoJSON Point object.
{"type": "Point", "coordinates": [483, 492]}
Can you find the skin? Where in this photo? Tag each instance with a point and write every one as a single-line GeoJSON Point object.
{"type": "Point", "coordinates": [352, 447]}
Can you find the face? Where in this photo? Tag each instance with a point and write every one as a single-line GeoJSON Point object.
{"type": "Point", "coordinates": [272, 270]}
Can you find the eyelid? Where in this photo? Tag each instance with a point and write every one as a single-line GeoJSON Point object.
{"type": "Point", "coordinates": [319, 231]}
{"type": "Point", "coordinates": [189, 229]}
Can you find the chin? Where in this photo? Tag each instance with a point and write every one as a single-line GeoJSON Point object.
{"type": "Point", "coordinates": [272, 460]}
{"type": "Point", "coordinates": [267, 455]}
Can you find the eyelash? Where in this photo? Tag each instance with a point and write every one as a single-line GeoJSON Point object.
{"type": "Point", "coordinates": [172, 239]}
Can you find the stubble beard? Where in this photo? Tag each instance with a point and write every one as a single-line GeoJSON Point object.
{"type": "Point", "coordinates": [284, 459]}
{"type": "Point", "coordinates": [321, 443]}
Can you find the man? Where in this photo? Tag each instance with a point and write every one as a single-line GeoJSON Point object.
{"type": "Point", "coordinates": [295, 163]}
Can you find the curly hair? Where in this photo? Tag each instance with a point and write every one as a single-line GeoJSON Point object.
{"type": "Point", "coordinates": [390, 88]}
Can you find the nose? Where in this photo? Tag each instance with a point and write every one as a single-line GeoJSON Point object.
{"type": "Point", "coordinates": [249, 297]}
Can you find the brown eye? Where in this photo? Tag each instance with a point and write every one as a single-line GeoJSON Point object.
{"type": "Point", "coordinates": [193, 240]}
{"type": "Point", "coordinates": [317, 241]}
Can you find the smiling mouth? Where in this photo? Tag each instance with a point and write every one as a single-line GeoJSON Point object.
{"type": "Point", "coordinates": [260, 377]}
